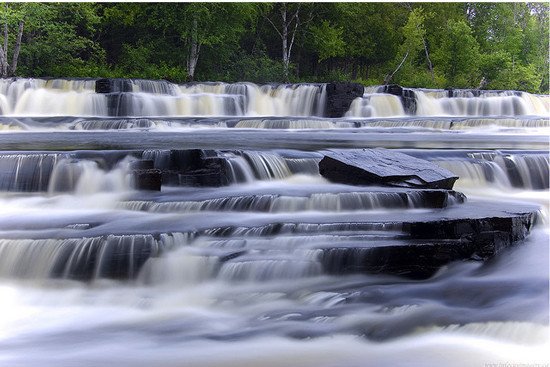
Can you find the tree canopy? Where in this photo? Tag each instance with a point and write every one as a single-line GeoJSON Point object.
{"type": "Point", "coordinates": [432, 45]}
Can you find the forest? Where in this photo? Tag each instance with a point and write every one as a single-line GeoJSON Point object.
{"type": "Point", "coordinates": [431, 45]}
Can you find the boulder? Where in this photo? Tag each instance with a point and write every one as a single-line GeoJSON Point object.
{"type": "Point", "coordinates": [339, 97]}
{"type": "Point", "coordinates": [383, 167]}
{"type": "Point", "coordinates": [408, 97]}
{"type": "Point", "coordinates": [190, 167]}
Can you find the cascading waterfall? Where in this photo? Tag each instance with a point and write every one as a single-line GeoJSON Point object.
{"type": "Point", "coordinates": [505, 104]}
{"type": "Point", "coordinates": [76, 258]}
{"type": "Point", "coordinates": [267, 264]}
{"type": "Point", "coordinates": [84, 177]}
{"type": "Point", "coordinates": [56, 97]}
{"type": "Point", "coordinates": [270, 203]}
{"type": "Point", "coordinates": [523, 171]}
{"type": "Point", "coordinates": [376, 105]}
{"type": "Point", "coordinates": [26, 172]}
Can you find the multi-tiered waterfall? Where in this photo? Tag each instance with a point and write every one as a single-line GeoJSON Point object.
{"type": "Point", "coordinates": [144, 223]}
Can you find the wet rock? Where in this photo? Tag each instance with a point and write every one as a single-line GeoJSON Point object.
{"type": "Point", "coordinates": [112, 85]}
{"type": "Point", "coordinates": [430, 245]}
{"type": "Point", "coordinates": [145, 176]}
{"type": "Point", "coordinates": [192, 167]}
{"type": "Point", "coordinates": [142, 164]}
{"type": "Point", "coordinates": [383, 167]}
{"type": "Point", "coordinates": [147, 179]}
{"type": "Point", "coordinates": [408, 97]}
{"type": "Point", "coordinates": [340, 96]}
{"type": "Point", "coordinates": [516, 226]}
{"type": "Point", "coordinates": [418, 259]}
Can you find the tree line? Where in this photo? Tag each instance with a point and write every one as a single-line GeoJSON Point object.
{"type": "Point", "coordinates": [432, 45]}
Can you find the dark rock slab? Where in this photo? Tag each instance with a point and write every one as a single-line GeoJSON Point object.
{"type": "Point", "coordinates": [190, 167]}
{"type": "Point", "coordinates": [145, 176]}
{"type": "Point", "coordinates": [383, 167]}
{"type": "Point", "coordinates": [147, 179]}
{"type": "Point", "coordinates": [340, 96]}
{"type": "Point", "coordinates": [431, 245]}
{"type": "Point", "coordinates": [413, 259]}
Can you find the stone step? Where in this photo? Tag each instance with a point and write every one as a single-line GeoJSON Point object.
{"type": "Point", "coordinates": [409, 244]}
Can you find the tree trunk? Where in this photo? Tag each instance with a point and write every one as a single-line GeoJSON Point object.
{"type": "Point", "coordinates": [17, 48]}
{"type": "Point", "coordinates": [194, 50]}
{"type": "Point", "coordinates": [4, 50]}
{"type": "Point", "coordinates": [284, 36]}
{"type": "Point", "coordinates": [3, 61]}
{"type": "Point", "coordinates": [388, 78]}
{"type": "Point", "coordinates": [285, 33]}
{"type": "Point", "coordinates": [430, 66]}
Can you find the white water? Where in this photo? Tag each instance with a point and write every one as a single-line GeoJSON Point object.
{"type": "Point", "coordinates": [463, 103]}
{"type": "Point", "coordinates": [525, 104]}
{"type": "Point", "coordinates": [376, 105]}
{"type": "Point", "coordinates": [36, 97]}
{"type": "Point", "coordinates": [67, 216]}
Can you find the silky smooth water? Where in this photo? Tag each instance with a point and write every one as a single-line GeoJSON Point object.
{"type": "Point", "coordinates": [93, 272]}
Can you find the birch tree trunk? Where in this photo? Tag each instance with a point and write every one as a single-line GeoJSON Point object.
{"type": "Point", "coordinates": [287, 31]}
{"type": "Point", "coordinates": [430, 65]}
{"type": "Point", "coordinates": [7, 69]}
{"type": "Point", "coordinates": [388, 78]}
{"type": "Point", "coordinates": [17, 48]}
{"type": "Point", "coordinates": [284, 37]}
{"type": "Point", "coordinates": [4, 47]}
{"type": "Point", "coordinates": [194, 51]}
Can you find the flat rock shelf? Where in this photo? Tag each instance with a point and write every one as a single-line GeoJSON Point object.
{"type": "Point", "coordinates": [413, 243]}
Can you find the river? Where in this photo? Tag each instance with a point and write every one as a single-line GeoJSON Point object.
{"type": "Point", "coordinates": [94, 272]}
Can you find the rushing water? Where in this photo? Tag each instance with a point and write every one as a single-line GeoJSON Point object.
{"type": "Point", "coordinates": [94, 272]}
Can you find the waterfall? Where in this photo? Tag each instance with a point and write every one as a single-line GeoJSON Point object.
{"type": "Point", "coordinates": [76, 258]}
{"type": "Point", "coordinates": [284, 100]}
{"type": "Point", "coordinates": [285, 124]}
{"type": "Point", "coordinates": [244, 254]}
{"type": "Point", "coordinates": [376, 105]}
{"type": "Point", "coordinates": [267, 166]}
{"type": "Point", "coordinates": [53, 97]}
{"type": "Point", "coordinates": [271, 267]}
{"type": "Point", "coordinates": [85, 177]}
{"type": "Point", "coordinates": [523, 171]}
{"type": "Point", "coordinates": [135, 97]}
{"type": "Point", "coordinates": [502, 104]}
{"type": "Point", "coordinates": [26, 172]}
{"type": "Point", "coordinates": [271, 203]}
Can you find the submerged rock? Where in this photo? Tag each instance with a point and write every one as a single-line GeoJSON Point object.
{"type": "Point", "coordinates": [383, 167]}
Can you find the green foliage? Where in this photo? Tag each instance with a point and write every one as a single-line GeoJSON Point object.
{"type": "Point", "coordinates": [58, 34]}
{"type": "Point", "coordinates": [370, 30]}
{"type": "Point", "coordinates": [458, 56]}
{"type": "Point", "coordinates": [257, 68]}
{"type": "Point", "coordinates": [414, 33]}
{"type": "Point", "coordinates": [328, 40]}
{"type": "Point", "coordinates": [505, 45]}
